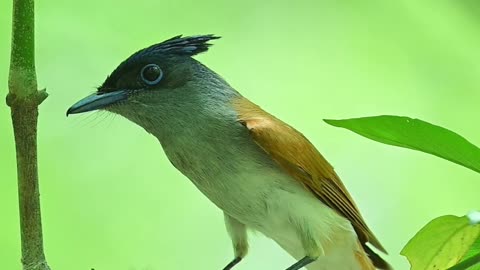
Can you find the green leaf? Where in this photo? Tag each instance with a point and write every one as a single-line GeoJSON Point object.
{"type": "Point", "coordinates": [474, 249]}
{"type": "Point", "coordinates": [417, 135]}
{"type": "Point", "coordinates": [442, 243]}
{"type": "Point", "coordinates": [472, 255]}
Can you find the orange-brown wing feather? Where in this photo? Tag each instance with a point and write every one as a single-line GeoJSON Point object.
{"type": "Point", "coordinates": [299, 158]}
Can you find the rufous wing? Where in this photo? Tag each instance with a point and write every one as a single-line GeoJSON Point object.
{"type": "Point", "coordinates": [300, 159]}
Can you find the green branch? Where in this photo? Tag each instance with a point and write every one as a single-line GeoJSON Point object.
{"type": "Point", "coordinates": [23, 98]}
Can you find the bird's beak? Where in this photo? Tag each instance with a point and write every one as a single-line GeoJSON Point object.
{"type": "Point", "coordinates": [97, 101]}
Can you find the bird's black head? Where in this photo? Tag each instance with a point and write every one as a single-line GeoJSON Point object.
{"type": "Point", "coordinates": [156, 68]}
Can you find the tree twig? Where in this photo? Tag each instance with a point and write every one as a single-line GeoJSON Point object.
{"type": "Point", "coordinates": [23, 98]}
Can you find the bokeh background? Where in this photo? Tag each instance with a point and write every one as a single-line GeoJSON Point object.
{"type": "Point", "coordinates": [110, 198]}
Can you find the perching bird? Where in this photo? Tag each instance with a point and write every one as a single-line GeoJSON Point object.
{"type": "Point", "coordinates": [264, 174]}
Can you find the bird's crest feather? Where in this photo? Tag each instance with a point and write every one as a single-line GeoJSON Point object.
{"type": "Point", "coordinates": [179, 45]}
{"type": "Point", "coordinates": [175, 46]}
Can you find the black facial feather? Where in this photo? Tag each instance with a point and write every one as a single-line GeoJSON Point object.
{"type": "Point", "coordinates": [177, 46]}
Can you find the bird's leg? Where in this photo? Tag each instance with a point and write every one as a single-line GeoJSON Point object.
{"type": "Point", "coordinates": [238, 234]}
{"type": "Point", "coordinates": [301, 263]}
{"type": "Point", "coordinates": [311, 246]}
{"type": "Point", "coordinates": [231, 264]}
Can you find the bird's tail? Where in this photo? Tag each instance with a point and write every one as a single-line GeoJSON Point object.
{"type": "Point", "coordinates": [374, 258]}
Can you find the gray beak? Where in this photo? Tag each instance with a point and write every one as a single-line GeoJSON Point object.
{"type": "Point", "coordinates": [97, 101]}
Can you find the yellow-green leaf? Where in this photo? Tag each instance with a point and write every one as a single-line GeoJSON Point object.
{"type": "Point", "coordinates": [442, 243]}
{"type": "Point", "coordinates": [474, 251]}
{"type": "Point", "coordinates": [471, 260]}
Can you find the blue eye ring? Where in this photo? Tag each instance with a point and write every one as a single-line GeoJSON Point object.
{"type": "Point", "coordinates": [151, 74]}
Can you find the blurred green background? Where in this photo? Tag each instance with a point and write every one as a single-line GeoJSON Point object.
{"type": "Point", "coordinates": [111, 199]}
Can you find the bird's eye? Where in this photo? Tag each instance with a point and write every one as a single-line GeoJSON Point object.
{"type": "Point", "coordinates": [151, 74]}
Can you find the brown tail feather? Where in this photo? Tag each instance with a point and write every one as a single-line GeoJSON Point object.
{"type": "Point", "coordinates": [377, 261]}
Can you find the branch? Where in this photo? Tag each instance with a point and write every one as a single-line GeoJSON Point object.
{"type": "Point", "coordinates": [23, 98]}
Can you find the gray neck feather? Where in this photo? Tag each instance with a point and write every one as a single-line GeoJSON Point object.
{"type": "Point", "coordinates": [199, 110]}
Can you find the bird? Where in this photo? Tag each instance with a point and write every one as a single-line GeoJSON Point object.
{"type": "Point", "coordinates": [261, 172]}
